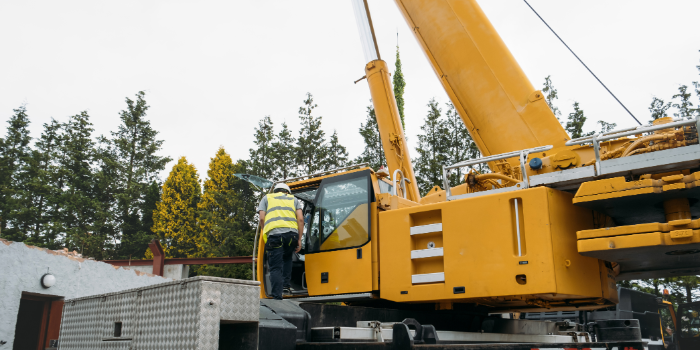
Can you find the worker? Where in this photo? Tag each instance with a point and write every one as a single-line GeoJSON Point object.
{"type": "Point", "coordinates": [282, 224]}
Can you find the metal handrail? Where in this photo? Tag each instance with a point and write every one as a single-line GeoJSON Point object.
{"type": "Point", "coordinates": [630, 131]}
{"type": "Point", "coordinates": [403, 183]}
{"type": "Point", "coordinates": [598, 138]}
{"type": "Point", "coordinates": [522, 154]}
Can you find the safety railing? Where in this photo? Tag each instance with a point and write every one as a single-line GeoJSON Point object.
{"type": "Point", "coordinates": [615, 134]}
{"type": "Point", "coordinates": [402, 184]}
{"type": "Point", "coordinates": [522, 154]}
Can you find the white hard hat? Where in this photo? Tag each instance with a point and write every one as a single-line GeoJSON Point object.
{"type": "Point", "coordinates": [282, 186]}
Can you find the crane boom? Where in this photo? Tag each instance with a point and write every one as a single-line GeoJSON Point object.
{"type": "Point", "coordinates": [501, 109]}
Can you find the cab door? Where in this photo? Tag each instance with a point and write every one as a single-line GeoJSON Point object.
{"type": "Point", "coordinates": [688, 326]}
{"type": "Point", "coordinates": [338, 248]}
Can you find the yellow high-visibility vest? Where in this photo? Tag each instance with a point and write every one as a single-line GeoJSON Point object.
{"type": "Point", "coordinates": [281, 213]}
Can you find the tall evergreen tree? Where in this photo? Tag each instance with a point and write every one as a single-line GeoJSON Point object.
{"type": "Point", "coordinates": [15, 159]}
{"type": "Point", "coordinates": [574, 125]}
{"type": "Point", "coordinates": [44, 189]}
{"type": "Point", "coordinates": [284, 154]}
{"type": "Point", "coordinates": [80, 206]}
{"type": "Point", "coordinates": [137, 165]}
{"type": "Point", "coordinates": [606, 127]}
{"type": "Point", "coordinates": [336, 154]}
{"type": "Point", "coordinates": [683, 104]}
{"type": "Point", "coordinates": [432, 149]}
{"type": "Point", "coordinates": [225, 210]}
{"type": "Point", "coordinates": [311, 143]}
{"type": "Point", "coordinates": [459, 144]}
{"type": "Point", "coordinates": [399, 86]}
{"type": "Point", "coordinates": [550, 94]}
{"type": "Point", "coordinates": [262, 157]}
{"type": "Point", "coordinates": [373, 152]}
{"type": "Point", "coordinates": [176, 215]}
{"type": "Point", "coordinates": [658, 108]}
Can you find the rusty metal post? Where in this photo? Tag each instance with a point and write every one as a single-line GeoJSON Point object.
{"type": "Point", "coordinates": [158, 257]}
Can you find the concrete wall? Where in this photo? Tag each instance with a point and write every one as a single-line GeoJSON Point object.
{"type": "Point", "coordinates": [176, 272]}
{"type": "Point", "coordinates": [21, 268]}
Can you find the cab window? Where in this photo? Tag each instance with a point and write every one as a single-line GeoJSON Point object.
{"type": "Point", "coordinates": [340, 217]}
{"type": "Point", "coordinates": [690, 322]}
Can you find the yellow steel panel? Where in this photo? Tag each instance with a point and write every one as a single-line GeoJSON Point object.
{"type": "Point", "coordinates": [681, 234]}
{"type": "Point", "coordinates": [375, 248]}
{"type": "Point", "coordinates": [609, 195]}
{"type": "Point", "coordinates": [621, 242]}
{"type": "Point", "coordinates": [573, 271]}
{"type": "Point", "coordinates": [346, 273]}
{"type": "Point", "coordinates": [480, 249]}
{"type": "Point", "coordinates": [620, 230]}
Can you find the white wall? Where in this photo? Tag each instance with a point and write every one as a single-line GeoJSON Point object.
{"type": "Point", "coordinates": [22, 266]}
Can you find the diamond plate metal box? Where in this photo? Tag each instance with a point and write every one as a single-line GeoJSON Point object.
{"type": "Point", "coordinates": [183, 314]}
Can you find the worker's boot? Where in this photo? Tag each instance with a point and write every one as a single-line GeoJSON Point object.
{"type": "Point", "coordinates": [287, 291]}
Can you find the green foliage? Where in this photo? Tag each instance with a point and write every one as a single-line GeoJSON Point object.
{"type": "Point", "coordinates": [606, 127]}
{"type": "Point", "coordinates": [550, 94]}
{"type": "Point", "coordinates": [399, 86]}
{"type": "Point", "coordinates": [432, 149]}
{"type": "Point", "coordinates": [262, 157]}
{"type": "Point", "coordinates": [175, 218]}
{"type": "Point", "coordinates": [683, 104]}
{"type": "Point", "coordinates": [373, 152]}
{"type": "Point", "coordinates": [336, 154]}
{"type": "Point", "coordinates": [574, 124]}
{"type": "Point", "coordinates": [459, 144]}
{"type": "Point", "coordinates": [224, 211]}
{"type": "Point", "coordinates": [658, 109]}
{"type": "Point", "coordinates": [283, 154]}
{"type": "Point", "coordinates": [15, 175]}
{"type": "Point", "coordinates": [137, 165]}
{"type": "Point", "coordinates": [312, 148]}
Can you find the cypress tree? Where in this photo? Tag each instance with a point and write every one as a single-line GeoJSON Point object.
{"type": "Point", "coordinates": [432, 149]}
{"type": "Point", "coordinates": [550, 94]}
{"type": "Point", "coordinates": [175, 217]}
{"type": "Point", "coordinates": [459, 144]}
{"type": "Point", "coordinates": [78, 202]}
{"type": "Point", "coordinates": [135, 146]}
{"type": "Point", "coordinates": [336, 154]}
{"type": "Point", "coordinates": [262, 157]}
{"type": "Point", "coordinates": [311, 143]}
{"type": "Point", "coordinates": [225, 210]}
{"type": "Point", "coordinates": [399, 86]}
{"type": "Point", "coordinates": [15, 159]}
{"type": "Point", "coordinates": [284, 154]}
{"type": "Point", "coordinates": [658, 108]}
{"type": "Point", "coordinates": [373, 152]}
{"type": "Point", "coordinates": [575, 122]}
{"type": "Point", "coordinates": [683, 104]}
{"type": "Point", "coordinates": [44, 188]}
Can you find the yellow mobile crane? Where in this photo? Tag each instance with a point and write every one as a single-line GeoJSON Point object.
{"type": "Point", "coordinates": [550, 228]}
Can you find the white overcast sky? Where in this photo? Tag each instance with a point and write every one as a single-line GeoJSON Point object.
{"type": "Point", "coordinates": [213, 69]}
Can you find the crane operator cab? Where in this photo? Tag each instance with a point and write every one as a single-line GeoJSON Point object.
{"type": "Point", "coordinates": [336, 254]}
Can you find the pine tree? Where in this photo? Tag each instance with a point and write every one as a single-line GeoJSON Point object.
{"type": "Point", "coordinates": [336, 154]}
{"type": "Point", "coordinates": [175, 217]}
{"type": "Point", "coordinates": [137, 165]}
{"type": "Point", "coordinates": [550, 94]}
{"type": "Point", "coordinates": [311, 143]}
{"type": "Point", "coordinates": [459, 144]}
{"type": "Point", "coordinates": [683, 104]}
{"type": "Point", "coordinates": [44, 189]}
{"type": "Point", "coordinates": [225, 210]}
{"type": "Point", "coordinates": [78, 202]}
{"type": "Point", "coordinates": [15, 159]}
{"type": "Point", "coordinates": [606, 127]}
{"type": "Point", "coordinates": [373, 153]}
{"type": "Point", "coordinates": [658, 109]}
{"type": "Point", "coordinates": [399, 86]}
{"type": "Point", "coordinates": [574, 125]}
{"type": "Point", "coordinates": [284, 154]}
{"type": "Point", "coordinates": [262, 157]}
{"type": "Point", "coordinates": [432, 149]}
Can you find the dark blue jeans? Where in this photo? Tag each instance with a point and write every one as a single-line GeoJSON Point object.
{"type": "Point", "coordinates": [279, 249]}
